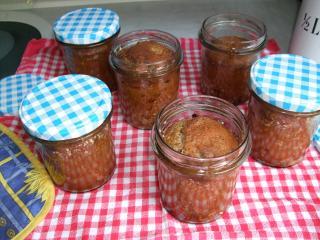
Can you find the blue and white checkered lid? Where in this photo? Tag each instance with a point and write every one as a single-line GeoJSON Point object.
{"type": "Point", "coordinates": [86, 26]}
{"type": "Point", "coordinates": [66, 107]}
{"type": "Point", "coordinates": [13, 89]}
{"type": "Point", "coordinates": [287, 81]}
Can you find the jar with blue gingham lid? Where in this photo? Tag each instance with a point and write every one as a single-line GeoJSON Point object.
{"type": "Point", "coordinates": [69, 118]}
{"type": "Point", "coordinates": [284, 108]}
{"type": "Point", "coordinates": [85, 37]}
{"type": "Point", "coordinates": [13, 89]}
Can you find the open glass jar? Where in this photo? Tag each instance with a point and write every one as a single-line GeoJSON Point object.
{"type": "Point", "coordinates": [69, 118]}
{"type": "Point", "coordinates": [284, 108]}
{"type": "Point", "coordinates": [199, 189]}
{"type": "Point", "coordinates": [147, 65]}
{"type": "Point", "coordinates": [85, 37]}
{"type": "Point", "coordinates": [230, 44]}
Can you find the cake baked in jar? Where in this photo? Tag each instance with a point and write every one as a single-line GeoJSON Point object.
{"type": "Point", "coordinates": [284, 108]}
{"type": "Point", "coordinates": [200, 143]}
{"type": "Point", "coordinates": [230, 43]}
{"type": "Point", "coordinates": [147, 66]}
{"type": "Point", "coordinates": [69, 119]}
{"type": "Point", "coordinates": [85, 37]}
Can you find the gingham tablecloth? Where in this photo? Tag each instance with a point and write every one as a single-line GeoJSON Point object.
{"type": "Point", "coordinates": [268, 202]}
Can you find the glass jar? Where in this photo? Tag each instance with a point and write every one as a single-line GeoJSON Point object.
{"type": "Point", "coordinates": [69, 118]}
{"type": "Point", "coordinates": [85, 37]}
{"type": "Point", "coordinates": [280, 138]}
{"type": "Point", "coordinates": [196, 189]}
{"type": "Point", "coordinates": [83, 163]}
{"type": "Point", "coordinates": [230, 44]}
{"type": "Point", "coordinates": [147, 65]}
{"type": "Point", "coordinates": [284, 108]}
{"type": "Point", "coordinates": [90, 59]}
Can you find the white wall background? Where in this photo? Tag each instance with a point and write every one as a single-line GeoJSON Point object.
{"type": "Point", "coordinates": [31, 4]}
{"type": "Point", "coordinates": [182, 18]}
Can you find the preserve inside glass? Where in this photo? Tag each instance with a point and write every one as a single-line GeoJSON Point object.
{"type": "Point", "coordinates": [230, 44]}
{"type": "Point", "coordinates": [147, 78]}
{"type": "Point", "coordinates": [90, 59]}
{"type": "Point", "coordinates": [280, 138]}
{"type": "Point", "coordinates": [80, 164]}
{"type": "Point", "coordinates": [198, 190]}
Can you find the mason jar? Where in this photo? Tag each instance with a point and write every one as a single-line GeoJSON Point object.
{"type": "Point", "coordinates": [85, 37]}
{"type": "Point", "coordinates": [198, 188]}
{"type": "Point", "coordinates": [69, 118]}
{"type": "Point", "coordinates": [284, 108]}
{"type": "Point", "coordinates": [147, 66]}
{"type": "Point", "coordinates": [230, 43]}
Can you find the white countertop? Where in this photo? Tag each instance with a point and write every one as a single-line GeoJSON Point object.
{"type": "Point", "coordinates": [183, 17]}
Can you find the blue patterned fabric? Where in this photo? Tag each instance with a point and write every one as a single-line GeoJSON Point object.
{"type": "Point", "coordinates": [86, 26]}
{"type": "Point", "coordinates": [66, 107]}
{"type": "Point", "coordinates": [26, 191]}
{"type": "Point", "coordinates": [287, 81]}
{"type": "Point", "coordinates": [13, 89]}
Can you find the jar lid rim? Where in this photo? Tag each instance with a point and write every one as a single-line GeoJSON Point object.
{"type": "Point", "coordinates": [287, 81]}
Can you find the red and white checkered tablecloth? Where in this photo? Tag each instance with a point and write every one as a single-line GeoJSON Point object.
{"type": "Point", "coordinates": [268, 202]}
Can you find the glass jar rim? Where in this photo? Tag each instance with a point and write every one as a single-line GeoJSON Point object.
{"type": "Point", "coordinates": [219, 163]}
{"type": "Point", "coordinates": [256, 44]}
{"type": "Point", "coordinates": [136, 36]}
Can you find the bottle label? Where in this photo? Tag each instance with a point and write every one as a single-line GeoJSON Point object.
{"type": "Point", "coordinates": [305, 40]}
{"type": "Point", "coordinates": [311, 24]}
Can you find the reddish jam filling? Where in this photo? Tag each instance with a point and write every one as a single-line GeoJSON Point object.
{"type": "Point", "coordinates": [91, 60]}
{"type": "Point", "coordinates": [279, 139]}
{"type": "Point", "coordinates": [81, 165]}
{"type": "Point", "coordinates": [143, 92]}
{"type": "Point", "coordinates": [225, 72]}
